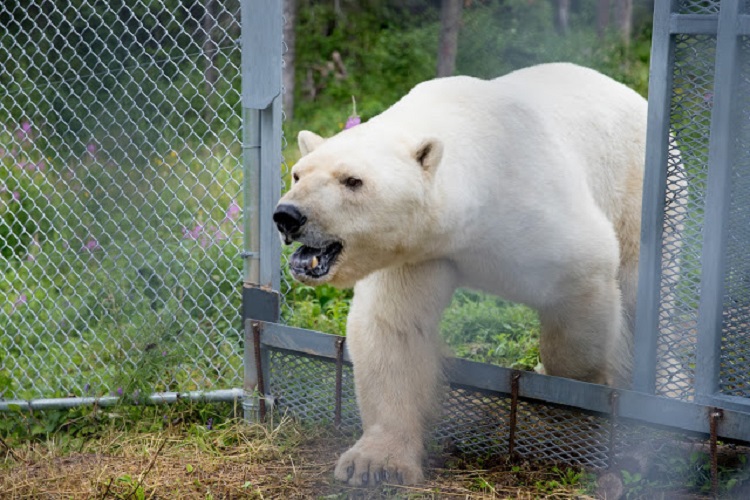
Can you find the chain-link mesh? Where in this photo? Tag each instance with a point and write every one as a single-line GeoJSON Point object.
{"type": "Point", "coordinates": [687, 168]}
{"type": "Point", "coordinates": [735, 346]}
{"type": "Point", "coordinates": [119, 197]}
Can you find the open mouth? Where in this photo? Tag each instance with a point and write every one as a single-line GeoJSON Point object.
{"type": "Point", "coordinates": [314, 262]}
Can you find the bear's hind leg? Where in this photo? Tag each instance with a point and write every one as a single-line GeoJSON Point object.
{"type": "Point", "coordinates": [392, 336]}
{"type": "Point", "coordinates": [580, 335]}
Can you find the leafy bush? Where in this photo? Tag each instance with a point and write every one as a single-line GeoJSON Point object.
{"type": "Point", "coordinates": [24, 207]}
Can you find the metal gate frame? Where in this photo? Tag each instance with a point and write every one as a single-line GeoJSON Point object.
{"type": "Point", "coordinates": [727, 416]}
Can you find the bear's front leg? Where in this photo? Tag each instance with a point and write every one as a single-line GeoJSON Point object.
{"type": "Point", "coordinates": [392, 334]}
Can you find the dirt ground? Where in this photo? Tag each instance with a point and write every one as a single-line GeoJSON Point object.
{"type": "Point", "coordinates": [242, 461]}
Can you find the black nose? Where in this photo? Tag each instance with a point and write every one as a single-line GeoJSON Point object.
{"type": "Point", "coordinates": [288, 219]}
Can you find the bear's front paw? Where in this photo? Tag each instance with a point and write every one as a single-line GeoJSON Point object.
{"type": "Point", "coordinates": [368, 463]}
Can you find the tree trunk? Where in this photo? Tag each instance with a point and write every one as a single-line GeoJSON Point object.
{"type": "Point", "coordinates": [290, 17]}
{"type": "Point", "coordinates": [562, 16]}
{"type": "Point", "coordinates": [602, 17]}
{"type": "Point", "coordinates": [210, 73]}
{"type": "Point", "coordinates": [625, 20]}
{"type": "Point", "coordinates": [450, 24]}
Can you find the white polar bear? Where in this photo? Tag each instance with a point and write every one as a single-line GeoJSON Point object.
{"type": "Point", "coordinates": [527, 186]}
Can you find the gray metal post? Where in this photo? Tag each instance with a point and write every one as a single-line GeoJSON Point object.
{"type": "Point", "coordinates": [261, 90]}
{"type": "Point", "coordinates": [720, 161]}
{"type": "Point", "coordinates": [654, 187]}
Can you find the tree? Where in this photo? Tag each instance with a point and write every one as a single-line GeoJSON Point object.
{"type": "Point", "coordinates": [450, 24]}
{"type": "Point", "coordinates": [290, 21]}
{"type": "Point", "coordinates": [624, 19]}
{"type": "Point", "coordinates": [602, 17]}
{"type": "Point", "coordinates": [562, 16]}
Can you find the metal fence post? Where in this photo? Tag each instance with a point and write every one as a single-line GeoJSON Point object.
{"type": "Point", "coordinates": [654, 186]}
{"type": "Point", "coordinates": [261, 104]}
{"type": "Point", "coordinates": [721, 159]}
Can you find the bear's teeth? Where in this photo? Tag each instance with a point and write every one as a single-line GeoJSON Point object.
{"type": "Point", "coordinates": [314, 263]}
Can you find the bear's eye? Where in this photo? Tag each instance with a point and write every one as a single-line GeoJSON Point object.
{"type": "Point", "coordinates": [352, 182]}
{"type": "Point", "coordinates": [295, 177]}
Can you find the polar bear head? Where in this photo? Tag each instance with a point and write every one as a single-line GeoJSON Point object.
{"type": "Point", "coordinates": [360, 201]}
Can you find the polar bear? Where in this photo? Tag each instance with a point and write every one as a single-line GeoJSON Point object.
{"type": "Point", "coordinates": [527, 186]}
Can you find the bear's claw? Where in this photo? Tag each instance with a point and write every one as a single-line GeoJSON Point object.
{"type": "Point", "coordinates": [365, 465]}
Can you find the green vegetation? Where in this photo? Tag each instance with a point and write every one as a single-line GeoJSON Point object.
{"type": "Point", "coordinates": [386, 51]}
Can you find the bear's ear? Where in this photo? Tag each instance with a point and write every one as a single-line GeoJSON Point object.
{"type": "Point", "coordinates": [429, 153]}
{"type": "Point", "coordinates": [308, 141]}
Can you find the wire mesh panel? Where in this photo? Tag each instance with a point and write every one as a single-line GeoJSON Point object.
{"type": "Point", "coordinates": [119, 197]}
{"type": "Point", "coordinates": [735, 345]}
{"type": "Point", "coordinates": [687, 170]}
{"type": "Point", "coordinates": [304, 386]}
{"type": "Point", "coordinates": [699, 6]}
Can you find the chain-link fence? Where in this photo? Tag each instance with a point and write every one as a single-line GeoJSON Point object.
{"type": "Point", "coordinates": [120, 197]}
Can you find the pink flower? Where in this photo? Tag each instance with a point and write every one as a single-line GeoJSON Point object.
{"type": "Point", "coordinates": [20, 301]}
{"type": "Point", "coordinates": [24, 131]}
{"type": "Point", "coordinates": [219, 234]}
{"type": "Point", "coordinates": [91, 148]}
{"type": "Point", "coordinates": [352, 121]}
{"type": "Point", "coordinates": [91, 245]}
{"type": "Point", "coordinates": [192, 234]}
{"type": "Point", "coordinates": [233, 211]}
{"type": "Point", "coordinates": [16, 196]}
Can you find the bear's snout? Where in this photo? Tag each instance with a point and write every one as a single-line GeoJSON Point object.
{"type": "Point", "coordinates": [289, 220]}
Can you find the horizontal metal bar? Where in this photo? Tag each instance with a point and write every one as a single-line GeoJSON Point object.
{"type": "Point", "coordinates": [158, 398]}
{"type": "Point", "coordinates": [726, 401]}
{"type": "Point", "coordinates": [310, 342]}
{"type": "Point", "coordinates": [693, 24]}
{"type": "Point", "coordinates": [649, 409]}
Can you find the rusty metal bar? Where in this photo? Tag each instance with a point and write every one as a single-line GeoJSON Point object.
{"type": "Point", "coordinates": [514, 386]}
{"type": "Point", "coordinates": [257, 329]}
{"type": "Point", "coordinates": [339, 370]}
{"type": "Point", "coordinates": [614, 401]}
{"type": "Point", "coordinates": [714, 417]}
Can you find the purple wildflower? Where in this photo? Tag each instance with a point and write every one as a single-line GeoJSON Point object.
{"type": "Point", "coordinates": [219, 234]}
{"type": "Point", "coordinates": [210, 423]}
{"type": "Point", "coordinates": [24, 131]}
{"type": "Point", "coordinates": [233, 211]}
{"type": "Point", "coordinates": [91, 245]}
{"type": "Point", "coordinates": [16, 196]}
{"type": "Point", "coordinates": [354, 118]}
{"type": "Point", "coordinates": [192, 234]}
{"type": "Point", "coordinates": [20, 301]}
{"type": "Point", "coordinates": [119, 391]}
{"type": "Point", "coordinates": [91, 148]}
{"type": "Point", "coordinates": [87, 387]}
{"type": "Point", "coordinates": [352, 121]}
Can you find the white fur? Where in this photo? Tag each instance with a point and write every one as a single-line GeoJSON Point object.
{"type": "Point", "coordinates": [530, 189]}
